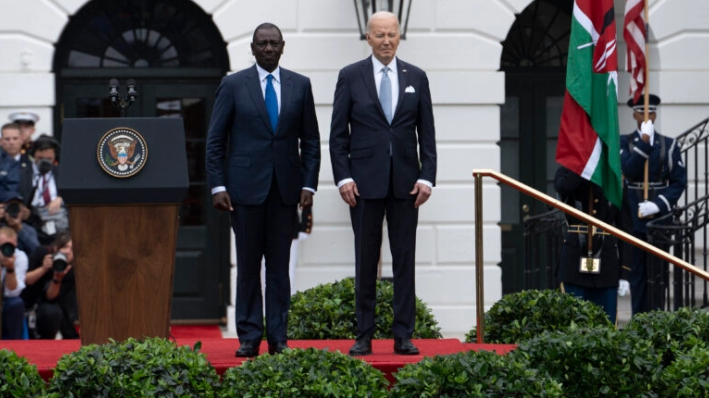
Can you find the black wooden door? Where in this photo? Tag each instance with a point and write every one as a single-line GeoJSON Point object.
{"type": "Point", "coordinates": [530, 127]}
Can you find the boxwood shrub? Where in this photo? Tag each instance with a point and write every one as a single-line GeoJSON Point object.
{"type": "Point", "coordinates": [594, 362]}
{"type": "Point", "coordinates": [18, 378]}
{"type": "Point", "coordinates": [688, 375]}
{"type": "Point", "coordinates": [303, 373]}
{"type": "Point", "coordinates": [670, 331]}
{"type": "Point", "coordinates": [526, 314]}
{"type": "Point", "coordinates": [327, 311]}
{"type": "Point", "coordinates": [473, 374]}
{"type": "Point", "coordinates": [153, 367]}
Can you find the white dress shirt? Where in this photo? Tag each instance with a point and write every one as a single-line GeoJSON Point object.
{"type": "Point", "coordinates": [393, 77]}
{"type": "Point", "coordinates": [276, 82]}
{"type": "Point", "coordinates": [21, 264]}
{"type": "Point", "coordinates": [38, 182]}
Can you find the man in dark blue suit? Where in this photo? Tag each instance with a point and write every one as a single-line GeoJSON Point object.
{"type": "Point", "coordinates": [263, 159]}
{"type": "Point", "coordinates": [383, 152]}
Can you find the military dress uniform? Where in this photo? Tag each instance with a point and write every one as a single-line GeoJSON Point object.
{"type": "Point", "coordinates": [9, 174]}
{"type": "Point", "coordinates": [596, 281]}
{"type": "Point", "coordinates": [26, 119]}
{"type": "Point", "coordinates": [667, 180]}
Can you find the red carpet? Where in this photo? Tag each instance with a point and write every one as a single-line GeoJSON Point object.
{"type": "Point", "coordinates": [195, 332]}
{"type": "Point", "coordinates": [192, 331]}
{"type": "Point", "coordinates": [220, 352]}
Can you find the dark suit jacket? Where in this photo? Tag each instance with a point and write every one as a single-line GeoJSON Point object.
{"type": "Point", "coordinates": [254, 150]}
{"type": "Point", "coordinates": [26, 189]}
{"type": "Point", "coordinates": [361, 137]}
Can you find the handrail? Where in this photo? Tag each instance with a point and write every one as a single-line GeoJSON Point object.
{"type": "Point", "coordinates": [526, 189]}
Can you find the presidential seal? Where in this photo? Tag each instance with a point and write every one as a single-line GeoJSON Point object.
{"type": "Point", "coordinates": [122, 152]}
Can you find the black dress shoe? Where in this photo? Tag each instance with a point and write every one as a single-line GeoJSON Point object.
{"type": "Point", "coordinates": [248, 348]}
{"type": "Point", "coordinates": [404, 346]}
{"type": "Point", "coordinates": [277, 347]}
{"type": "Point", "coordinates": [363, 346]}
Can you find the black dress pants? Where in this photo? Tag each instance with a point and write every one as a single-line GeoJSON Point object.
{"type": "Point", "coordinates": [264, 230]}
{"type": "Point", "coordinates": [402, 219]}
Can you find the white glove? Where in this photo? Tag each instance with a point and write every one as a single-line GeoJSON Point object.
{"type": "Point", "coordinates": [647, 208]}
{"type": "Point", "coordinates": [623, 288]}
{"type": "Point", "coordinates": [646, 128]}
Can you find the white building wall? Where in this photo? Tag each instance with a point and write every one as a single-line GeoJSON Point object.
{"type": "Point", "coordinates": [458, 43]}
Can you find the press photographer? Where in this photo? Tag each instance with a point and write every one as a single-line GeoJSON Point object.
{"type": "Point", "coordinates": [50, 295]}
{"type": "Point", "coordinates": [49, 215]}
{"type": "Point", "coordinates": [13, 212]}
{"type": "Point", "coordinates": [13, 265]}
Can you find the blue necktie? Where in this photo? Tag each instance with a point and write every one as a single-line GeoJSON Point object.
{"type": "Point", "coordinates": [385, 94]}
{"type": "Point", "coordinates": [271, 102]}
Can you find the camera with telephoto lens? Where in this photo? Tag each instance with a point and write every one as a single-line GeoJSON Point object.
{"type": "Point", "coordinates": [7, 249]}
{"type": "Point", "coordinates": [12, 209]}
{"type": "Point", "coordinates": [60, 262]}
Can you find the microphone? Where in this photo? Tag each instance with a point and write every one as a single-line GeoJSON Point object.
{"type": "Point", "coordinates": [132, 94]}
{"type": "Point", "coordinates": [113, 90]}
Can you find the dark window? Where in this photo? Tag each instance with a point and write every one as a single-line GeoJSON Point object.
{"type": "Point", "coordinates": [141, 34]}
{"type": "Point", "coordinates": [539, 37]}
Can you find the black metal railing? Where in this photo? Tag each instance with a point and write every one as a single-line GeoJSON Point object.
{"type": "Point", "coordinates": [695, 154]}
{"type": "Point", "coordinates": [543, 237]}
{"type": "Point", "coordinates": [677, 231]}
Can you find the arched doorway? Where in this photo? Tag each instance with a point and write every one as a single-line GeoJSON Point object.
{"type": "Point", "coordinates": [534, 61]}
{"type": "Point", "coordinates": [177, 56]}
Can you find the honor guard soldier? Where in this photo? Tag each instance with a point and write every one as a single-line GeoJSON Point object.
{"type": "Point", "coordinates": [26, 120]}
{"type": "Point", "coordinates": [589, 264]}
{"type": "Point", "coordinates": [666, 181]}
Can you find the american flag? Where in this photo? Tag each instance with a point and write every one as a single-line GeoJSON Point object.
{"type": "Point", "coordinates": [634, 33]}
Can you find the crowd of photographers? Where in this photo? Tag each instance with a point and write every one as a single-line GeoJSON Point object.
{"type": "Point", "coordinates": [38, 294]}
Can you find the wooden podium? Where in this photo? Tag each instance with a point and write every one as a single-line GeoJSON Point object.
{"type": "Point", "coordinates": [123, 180]}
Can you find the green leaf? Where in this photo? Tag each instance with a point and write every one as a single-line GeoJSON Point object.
{"type": "Point", "coordinates": [523, 315]}
{"type": "Point", "coordinates": [305, 373]}
{"type": "Point", "coordinates": [135, 368]}
{"type": "Point", "coordinates": [327, 311]}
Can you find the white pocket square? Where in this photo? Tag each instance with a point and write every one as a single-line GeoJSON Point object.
{"type": "Point", "coordinates": [410, 89]}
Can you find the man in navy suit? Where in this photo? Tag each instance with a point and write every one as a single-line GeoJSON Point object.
{"type": "Point", "coordinates": [263, 160]}
{"type": "Point", "coordinates": [383, 151]}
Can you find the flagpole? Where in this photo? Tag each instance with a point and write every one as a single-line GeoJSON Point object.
{"type": "Point", "coordinates": [646, 174]}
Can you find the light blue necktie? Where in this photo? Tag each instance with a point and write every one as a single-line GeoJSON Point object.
{"type": "Point", "coordinates": [271, 102]}
{"type": "Point", "coordinates": [385, 94]}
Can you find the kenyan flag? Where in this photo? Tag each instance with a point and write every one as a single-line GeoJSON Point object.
{"type": "Point", "coordinates": [589, 140]}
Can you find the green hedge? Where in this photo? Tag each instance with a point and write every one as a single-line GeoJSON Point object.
{"type": "Point", "coordinates": [473, 374]}
{"type": "Point", "coordinates": [327, 311]}
{"type": "Point", "coordinates": [594, 362]}
{"type": "Point", "coordinates": [303, 373]}
{"type": "Point", "coordinates": [671, 331]}
{"type": "Point", "coordinates": [688, 375]}
{"type": "Point", "coordinates": [17, 377]}
{"type": "Point", "coordinates": [524, 315]}
{"type": "Point", "coordinates": [658, 354]}
{"type": "Point", "coordinates": [152, 367]}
